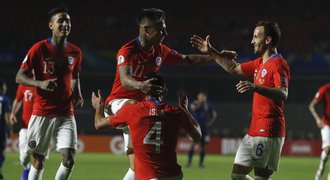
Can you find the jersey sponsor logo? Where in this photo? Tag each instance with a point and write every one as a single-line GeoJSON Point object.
{"type": "Point", "coordinates": [25, 59]}
{"type": "Point", "coordinates": [32, 144]}
{"type": "Point", "coordinates": [121, 59]}
{"type": "Point", "coordinates": [262, 130]}
{"type": "Point", "coordinates": [159, 61]}
{"type": "Point", "coordinates": [70, 59]}
{"type": "Point", "coordinates": [263, 73]}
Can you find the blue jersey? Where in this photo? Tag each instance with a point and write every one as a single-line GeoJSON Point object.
{"type": "Point", "coordinates": [4, 108]}
{"type": "Point", "coordinates": [202, 115]}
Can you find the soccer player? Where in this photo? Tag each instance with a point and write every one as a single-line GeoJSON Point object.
{"type": "Point", "coordinates": [56, 65]}
{"type": "Point", "coordinates": [4, 121]}
{"type": "Point", "coordinates": [205, 115]}
{"type": "Point", "coordinates": [154, 128]}
{"type": "Point", "coordinates": [322, 96]}
{"type": "Point", "coordinates": [25, 96]}
{"type": "Point", "coordinates": [260, 149]}
{"type": "Point", "coordinates": [141, 56]}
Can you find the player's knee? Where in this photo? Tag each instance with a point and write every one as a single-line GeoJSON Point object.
{"type": "Point", "coordinates": [129, 151]}
{"type": "Point", "coordinates": [262, 178]}
{"type": "Point", "coordinates": [235, 176]}
{"type": "Point", "coordinates": [68, 163]}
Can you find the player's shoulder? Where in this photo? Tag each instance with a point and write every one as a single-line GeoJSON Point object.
{"type": "Point", "coordinates": [325, 86]}
{"type": "Point", "coordinates": [128, 48]}
{"type": "Point", "coordinates": [279, 62]}
{"type": "Point", "coordinates": [39, 44]}
{"type": "Point", "coordinates": [74, 48]}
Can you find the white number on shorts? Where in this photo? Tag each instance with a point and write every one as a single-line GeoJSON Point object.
{"type": "Point", "coordinates": [259, 149]}
{"type": "Point", "coordinates": [157, 128]}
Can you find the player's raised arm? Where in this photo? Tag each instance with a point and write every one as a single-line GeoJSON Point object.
{"type": "Point", "coordinates": [99, 120]}
{"type": "Point", "coordinates": [195, 131]}
{"type": "Point", "coordinates": [225, 58]}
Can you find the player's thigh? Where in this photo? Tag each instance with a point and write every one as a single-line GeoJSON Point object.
{"type": "Point", "coordinates": [243, 155]}
{"type": "Point", "coordinates": [39, 134]}
{"type": "Point", "coordinates": [65, 135]}
{"type": "Point", "coordinates": [22, 138]}
{"type": "Point", "coordinates": [266, 152]}
{"type": "Point", "coordinates": [325, 133]}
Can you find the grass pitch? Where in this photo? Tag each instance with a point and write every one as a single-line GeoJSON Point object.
{"type": "Point", "coordinates": [113, 167]}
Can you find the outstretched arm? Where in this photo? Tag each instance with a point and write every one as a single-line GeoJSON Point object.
{"type": "Point", "coordinates": [196, 59]}
{"type": "Point", "coordinates": [316, 116]}
{"type": "Point", "coordinates": [226, 59]}
{"type": "Point", "coordinates": [99, 120]}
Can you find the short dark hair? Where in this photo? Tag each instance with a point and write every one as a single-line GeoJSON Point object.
{"type": "Point", "coordinates": [159, 81]}
{"type": "Point", "coordinates": [57, 10]}
{"type": "Point", "coordinates": [272, 29]}
{"type": "Point", "coordinates": [154, 14]}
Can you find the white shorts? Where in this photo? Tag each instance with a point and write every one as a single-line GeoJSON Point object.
{"type": "Point", "coordinates": [325, 133]}
{"type": "Point", "coordinates": [115, 105]}
{"type": "Point", "coordinates": [260, 152]}
{"type": "Point", "coordinates": [62, 131]}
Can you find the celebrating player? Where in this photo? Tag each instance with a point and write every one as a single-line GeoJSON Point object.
{"type": "Point", "coordinates": [322, 96]}
{"type": "Point", "coordinates": [56, 64]}
{"type": "Point", "coordinates": [141, 56]}
{"type": "Point", "coordinates": [154, 128]}
{"type": "Point", "coordinates": [260, 149]}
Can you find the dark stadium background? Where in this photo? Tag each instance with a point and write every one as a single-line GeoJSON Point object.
{"type": "Point", "coordinates": [100, 28]}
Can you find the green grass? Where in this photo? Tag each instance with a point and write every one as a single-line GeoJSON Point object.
{"type": "Point", "coordinates": [113, 167]}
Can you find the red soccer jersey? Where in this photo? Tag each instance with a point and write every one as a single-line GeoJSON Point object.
{"type": "Point", "coordinates": [26, 94]}
{"type": "Point", "coordinates": [267, 114]}
{"type": "Point", "coordinates": [49, 63]}
{"type": "Point", "coordinates": [154, 132]}
{"type": "Point", "coordinates": [142, 63]}
{"type": "Point", "coordinates": [323, 95]}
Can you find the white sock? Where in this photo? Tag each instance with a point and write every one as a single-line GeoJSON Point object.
{"type": "Point", "coordinates": [35, 174]}
{"type": "Point", "coordinates": [323, 160]}
{"type": "Point", "coordinates": [235, 176]}
{"type": "Point", "coordinates": [130, 175]}
{"type": "Point", "coordinates": [63, 173]}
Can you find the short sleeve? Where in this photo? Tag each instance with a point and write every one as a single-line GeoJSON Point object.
{"type": "Point", "coordinates": [319, 96]}
{"type": "Point", "coordinates": [124, 57]}
{"type": "Point", "coordinates": [19, 93]}
{"type": "Point", "coordinates": [282, 76]}
{"type": "Point", "coordinates": [121, 117]}
{"type": "Point", "coordinates": [30, 58]}
{"type": "Point", "coordinates": [172, 57]}
{"type": "Point", "coordinates": [248, 68]}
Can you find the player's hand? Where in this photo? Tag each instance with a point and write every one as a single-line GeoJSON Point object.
{"type": "Point", "coordinates": [203, 45]}
{"type": "Point", "coordinates": [48, 85]}
{"type": "Point", "coordinates": [12, 119]}
{"type": "Point", "coordinates": [320, 123]}
{"type": "Point", "coordinates": [183, 99]}
{"type": "Point", "coordinates": [146, 87]}
{"type": "Point", "coordinates": [228, 54]}
{"type": "Point", "coordinates": [78, 101]}
{"type": "Point", "coordinates": [244, 86]}
{"type": "Point", "coordinates": [97, 101]}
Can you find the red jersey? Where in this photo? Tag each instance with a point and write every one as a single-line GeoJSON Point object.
{"type": "Point", "coordinates": [142, 63]}
{"type": "Point", "coordinates": [323, 95]}
{"type": "Point", "coordinates": [49, 63]}
{"type": "Point", "coordinates": [267, 114]}
{"type": "Point", "coordinates": [26, 94]}
{"type": "Point", "coordinates": [154, 129]}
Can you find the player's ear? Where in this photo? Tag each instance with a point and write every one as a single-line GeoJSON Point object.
{"type": "Point", "coordinates": [268, 40]}
{"type": "Point", "coordinates": [50, 25]}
